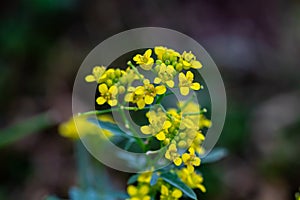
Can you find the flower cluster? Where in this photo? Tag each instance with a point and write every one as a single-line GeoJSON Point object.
{"type": "Point", "coordinates": [179, 129]}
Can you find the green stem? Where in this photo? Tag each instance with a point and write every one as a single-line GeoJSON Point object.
{"type": "Point", "coordinates": [135, 70]}
{"type": "Point", "coordinates": [195, 113]}
{"type": "Point", "coordinates": [135, 134]}
{"type": "Point", "coordinates": [99, 112]}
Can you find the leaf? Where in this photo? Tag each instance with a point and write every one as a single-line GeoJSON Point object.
{"type": "Point", "coordinates": [176, 182]}
{"type": "Point", "coordinates": [215, 155]}
{"type": "Point", "coordinates": [25, 128]}
{"type": "Point", "coordinates": [132, 179]}
{"type": "Point", "coordinates": [154, 179]}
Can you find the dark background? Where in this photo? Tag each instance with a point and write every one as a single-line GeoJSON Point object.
{"type": "Point", "coordinates": [255, 44]}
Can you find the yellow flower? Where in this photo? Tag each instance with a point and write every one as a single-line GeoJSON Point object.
{"type": "Point", "coordinates": [97, 74]}
{"type": "Point", "coordinates": [145, 61]}
{"type": "Point", "coordinates": [167, 56]}
{"type": "Point", "coordinates": [165, 75]}
{"type": "Point", "coordinates": [192, 179]}
{"type": "Point", "coordinates": [186, 83]}
{"type": "Point", "coordinates": [191, 160]}
{"type": "Point", "coordinates": [138, 193]}
{"type": "Point", "coordinates": [189, 61]}
{"type": "Point", "coordinates": [131, 96]}
{"type": "Point", "coordinates": [145, 177]}
{"type": "Point", "coordinates": [148, 91]}
{"type": "Point", "coordinates": [173, 155]}
{"type": "Point", "coordinates": [76, 124]}
{"type": "Point", "coordinates": [128, 77]}
{"type": "Point", "coordinates": [197, 141]}
{"type": "Point", "coordinates": [158, 124]}
{"type": "Point", "coordinates": [107, 95]}
{"type": "Point", "coordinates": [169, 194]}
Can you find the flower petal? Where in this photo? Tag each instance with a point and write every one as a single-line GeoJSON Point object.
{"type": "Point", "coordinates": [195, 86]}
{"type": "Point", "coordinates": [149, 99]}
{"type": "Point", "coordinates": [112, 102]}
{"type": "Point", "coordinates": [161, 89]}
{"type": "Point", "coordinates": [90, 78]}
{"type": "Point", "coordinates": [184, 90]}
{"type": "Point", "coordinates": [100, 100]}
{"type": "Point", "coordinates": [103, 88]}
{"type": "Point", "coordinates": [146, 130]}
{"type": "Point", "coordinates": [196, 64]}
{"type": "Point", "coordinates": [161, 136]}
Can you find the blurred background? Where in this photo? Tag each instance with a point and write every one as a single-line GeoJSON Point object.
{"type": "Point", "coordinates": [255, 44]}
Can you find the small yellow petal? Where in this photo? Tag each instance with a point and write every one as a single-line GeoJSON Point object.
{"type": "Point", "coordinates": [100, 100]}
{"type": "Point", "coordinates": [189, 75]}
{"type": "Point", "coordinates": [176, 193]}
{"type": "Point", "coordinates": [141, 104]}
{"type": "Point", "coordinates": [195, 86]}
{"type": "Point", "coordinates": [149, 99]}
{"type": "Point", "coordinates": [196, 161]}
{"type": "Point", "coordinates": [185, 157]}
{"type": "Point", "coordinates": [164, 190]}
{"type": "Point", "coordinates": [157, 80]}
{"type": "Point", "coordinates": [143, 190]}
{"type": "Point", "coordinates": [128, 97]}
{"type": "Point", "coordinates": [139, 90]}
{"type": "Point", "coordinates": [112, 102]}
{"type": "Point", "coordinates": [113, 90]}
{"type": "Point", "coordinates": [161, 89]}
{"type": "Point", "coordinates": [132, 190]}
{"type": "Point", "coordinates": [146, 130]}
{"type": "Point", "coordinates": [196, 64]}
{"type": "Point", "coordinates": [184, 90]}
{"type": "Point", "coordinates": [103, 88]}
{"type": "Point", "coordinates": [148, 53]}
{"type": "Point", "coordinates": [161, 136]}
{"type": "Point", "coordinates": [177, 161]}
{"type": "Point", "coordinates": [90, 78]}
{"type": "Point", "coordinates": [170, 83]}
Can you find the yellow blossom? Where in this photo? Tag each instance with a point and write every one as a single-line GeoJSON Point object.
{"type": "Point", "coordinates": [165, 75]}
{"type": "Point", "coordinates": [145, 177]}
{"type": "Point", "coordinates": [97, 74]}
{"type": "Point", "coordinates": [74, 125]}
{"type": "Point", "coordinates": [169, 194]}
{"type": "Point", "coordinates": [107, 95]}
{"type": "Point", "coordinates": [173, 155]}
{"type": "Point", "coordinates": [138, 193]}
{"type": "Point", "coordinates": [190, 159]}
{"type": "Point", "coordinates": [189, 61]}
{"type": "Point", "coordinates": [165, 55]}
{"type": "Point", "coordinates": [192, 179]}
{"type": "Point", "coordinates": [149, 91]}
{"type": "Point", "coordinates": [186, 83]}
{"type": "Point", "coordinates": [158, 124]}
{"type": "Point", "coordinates": [145, 61]}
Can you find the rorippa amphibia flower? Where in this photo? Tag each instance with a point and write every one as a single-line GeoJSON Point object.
{"type": "Point", "coordinates": [176, 129]}
{"type": "Point", "coordinates": [168, 193]}
{"type": "Point", "coordinates": [186, 83]}
{"type": "Point", "coordinates": [145, 61]}
{"type": "Point", "coordinates": [108, 95]}
{"type": "Point", "coordinates": [144, 94]}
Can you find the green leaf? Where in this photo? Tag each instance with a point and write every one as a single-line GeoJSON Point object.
{"type": "Point", "coordinates": [215, 155]}
{"type": "Point", "coordinates": [25, 128]}
{"type": "Point", "coordinates": [132, 179]}
{"type": "Point", "coordinates": [176, 182]}
{"type": "Point", "coordinates": [154, 179]}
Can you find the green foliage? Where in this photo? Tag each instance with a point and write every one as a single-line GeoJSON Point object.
{"type": "Point", "coordinates": [25, 128]}
{"type": "Point", "coordinates": [176, 182]}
